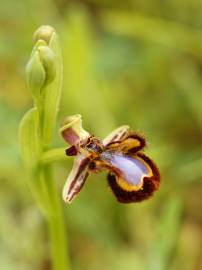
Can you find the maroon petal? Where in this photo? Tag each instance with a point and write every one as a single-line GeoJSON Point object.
{"type": "Point", "coordinates": [71, 151]}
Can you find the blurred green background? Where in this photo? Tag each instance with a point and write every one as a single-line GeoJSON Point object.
{"type": "Point", "coordinates": [125, 62]}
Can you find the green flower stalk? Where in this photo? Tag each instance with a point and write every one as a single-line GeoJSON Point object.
{"type": "Point", "coordinates": [44, 77]}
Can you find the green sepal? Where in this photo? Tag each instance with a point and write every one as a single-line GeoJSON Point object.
{"type": "Point", "coordinates": [29, 138]}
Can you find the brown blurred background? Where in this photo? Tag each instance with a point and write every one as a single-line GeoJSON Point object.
{"type": "Point", "coordinates": [125, 62]}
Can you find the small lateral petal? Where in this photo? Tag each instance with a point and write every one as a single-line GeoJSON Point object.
{"type": "Point", "coordinates": [71, 151]}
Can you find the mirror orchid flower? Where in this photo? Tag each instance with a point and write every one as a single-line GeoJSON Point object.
{"type": "Point", "coordinates": [132, 176]}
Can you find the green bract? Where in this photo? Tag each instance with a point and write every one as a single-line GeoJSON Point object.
{"type": "Point", "coordinates": [29, 138]}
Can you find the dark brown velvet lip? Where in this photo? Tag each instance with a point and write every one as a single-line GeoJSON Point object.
{"type": "Point", "coordinates": [150, 185]}
{"type": "Point", "coordinates": [141, 139]}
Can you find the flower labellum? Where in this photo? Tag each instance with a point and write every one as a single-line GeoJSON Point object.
{"type": "Point", "coordinates": [132, 176]}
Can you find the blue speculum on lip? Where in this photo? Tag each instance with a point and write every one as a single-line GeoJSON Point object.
{"type": "Point", "coordinates": [132, 169]}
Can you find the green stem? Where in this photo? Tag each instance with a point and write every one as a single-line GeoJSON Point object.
{"type": "Point", "coordinates": [56, 224]}
{"type": "Point", "coordinates": [52, 206]}
{"type": "Point", "coordinates": [53, 155]}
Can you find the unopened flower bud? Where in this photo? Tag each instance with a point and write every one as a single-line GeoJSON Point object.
{"type": "Point", "coordinates": [41, 69]}
{"type": "Point", "coordinates": [48, 60]}
{"type": "Point", "coordinates": [36, 75]}
{"type": "Point", "coordinates": [44, 32]}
